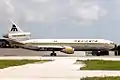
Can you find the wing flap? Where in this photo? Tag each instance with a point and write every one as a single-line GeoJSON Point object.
{"type": "Point", "coordinates": [42, 47]}
{"type": "Point", "coordinates": [49, 46]}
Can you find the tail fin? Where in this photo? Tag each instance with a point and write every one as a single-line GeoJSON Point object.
{"type": "Point", "coordinates": [14, 28]}
{"type": "Point", "coordinates": [17, 34]}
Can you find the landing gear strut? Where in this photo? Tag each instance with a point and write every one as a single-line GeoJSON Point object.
{"type": "Point", "coordinates": [53, 53]}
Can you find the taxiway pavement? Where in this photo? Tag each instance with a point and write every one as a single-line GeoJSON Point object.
{"type": "Point", "coordinates": [62, 67]}
{"type": "Point", "coordinates": [25, 52]}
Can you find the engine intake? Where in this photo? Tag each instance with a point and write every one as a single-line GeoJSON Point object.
{"type": "Point", "coordinates": [68, 50]}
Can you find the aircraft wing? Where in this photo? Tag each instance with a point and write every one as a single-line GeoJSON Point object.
{"type": "Point", "coordinates": [11, 41]}
{"type": "Point", "coordinates": [30, 46]}
{"type": "Point", "coordinates": [42, 47]}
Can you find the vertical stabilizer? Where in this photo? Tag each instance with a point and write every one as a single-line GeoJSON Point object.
{"type": "Point", "coordinates": [16, 33]}
{"type": "Point", "coordinates": [14, 28]}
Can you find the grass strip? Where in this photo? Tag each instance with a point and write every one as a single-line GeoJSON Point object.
{"type": "Point", "coordinates": [101, 78]}
{"type": "Point", "coordinates": [9, 63]}
{"type": "Point", "coordinates": [100, 65]}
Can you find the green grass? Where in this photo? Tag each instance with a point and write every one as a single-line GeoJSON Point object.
{"type": "Point", "coordinates": [9, 63]}
{"type": "Point", "coordinates": [101, 78]}
{"type": "Point", "coordinates": [101, 65]}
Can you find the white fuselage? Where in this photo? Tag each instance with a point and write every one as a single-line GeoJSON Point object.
{"type": "Point", "coordinates": [78, 44]}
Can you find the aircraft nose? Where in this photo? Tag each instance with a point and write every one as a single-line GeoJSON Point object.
{"type": "Point", "coordinates": [113, 45]}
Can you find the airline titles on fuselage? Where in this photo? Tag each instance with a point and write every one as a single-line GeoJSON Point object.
{"type": "Point", "coordinates": [81, 41]}
{"type": "Point", "coordinates": [92, 41]}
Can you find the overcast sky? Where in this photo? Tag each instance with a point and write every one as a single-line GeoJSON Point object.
{"type": "Point", "coordinates": [63, 18]}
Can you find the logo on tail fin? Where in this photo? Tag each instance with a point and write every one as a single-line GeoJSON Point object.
{"type": "Point", "coordinates": [14, 28]}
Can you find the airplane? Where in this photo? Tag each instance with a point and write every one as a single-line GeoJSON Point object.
{"type": "Point", "coordinates": [23, 39]}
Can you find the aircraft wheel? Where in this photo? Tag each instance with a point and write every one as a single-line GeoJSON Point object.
{"type": "Point", "coordinates": [98, 54]}
{"type": "Point", "coordinates": [94, 53]}
{"type": "Point", "coordinates": [53, 54]}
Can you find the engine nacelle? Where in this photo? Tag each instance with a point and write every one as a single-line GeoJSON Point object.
{"type": "Point", "coordinates": [68, 50]}
{"type": "Point", "coordinates": [18, 36]}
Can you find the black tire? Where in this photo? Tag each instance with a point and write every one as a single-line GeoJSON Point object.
{"type": "Point", "coordinates": [51, 54]}
{"type": "Point", "coordinates": [55, 54]}
{"type": "Point", "coordinates": [104, 52]}
{"type": "Point", "coordinates": [98, 54]}
{"type": "Point", "coordinates": [95, 53]}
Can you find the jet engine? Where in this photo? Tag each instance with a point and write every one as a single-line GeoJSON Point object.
{"type": "Point", "coordinates": [68, 50]}
{"type": "Point", "coordinates": [18, 36]}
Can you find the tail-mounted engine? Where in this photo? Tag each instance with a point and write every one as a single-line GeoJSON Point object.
{"type": "Point", "coordinates": [18, 36]}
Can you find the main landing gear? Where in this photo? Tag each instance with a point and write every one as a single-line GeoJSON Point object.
{"type": "Point", "coordinates": [53, 53]}
{"type": "Point", "coordinates": [99, 53]}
